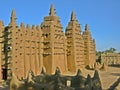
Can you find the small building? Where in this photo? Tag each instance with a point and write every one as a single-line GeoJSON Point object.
{"type": "Point", "coordinates": [110, 58]}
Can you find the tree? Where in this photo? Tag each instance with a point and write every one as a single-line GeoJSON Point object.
{"type": "Point", "coordinates": [111, 50]}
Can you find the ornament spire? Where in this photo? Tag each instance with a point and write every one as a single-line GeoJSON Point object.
{"type": "Point", "coordinates": [73, 16]}
{"type": "Point", "coordinates": [52, 10]}
{"type": "Point", "coordinates": [13, 19]}
{"type": "Point", "coordinates": [86, 27]}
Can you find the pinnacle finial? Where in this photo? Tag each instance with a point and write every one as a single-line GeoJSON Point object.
{"type": "Point", "coordinates": [52, 11]}
{"type": "Point", "coordinates": [13, 14]}
{"type": "Point", "coordinates": [73, 16]}
{"type": "Point", "coordinates": [38, 27]}
{"type": "Point", "coordinates": [96, 75]}
{"type": "Point", "coordinates": [57, 72]}
{"type": "Point", "coordinates": [22, 25]}
{"type": "Point", "coordinates": [13, 18]}
{"type": "Point", "coordinates": [43, 71]}
{"type": "Point", "coordinates": [33, 27]}
{"type": "Point", "coordinates": [28, 26]}
{"type": "Point", "coordinates": [86, 27]}
{"type": "Point", "coordinates": [30, 76]}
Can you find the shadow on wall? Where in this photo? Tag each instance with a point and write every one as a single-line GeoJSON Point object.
{"type": "Point", "coordinates": [115, 74]}
{"type": "Point", "coordinates": [118, 65]}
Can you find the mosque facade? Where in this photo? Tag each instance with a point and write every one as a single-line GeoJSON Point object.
{"type": "Point", "coordinates": [24, 48]}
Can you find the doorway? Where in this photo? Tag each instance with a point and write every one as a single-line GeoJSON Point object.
{"type": "Point", "coordinates": [4, 73]}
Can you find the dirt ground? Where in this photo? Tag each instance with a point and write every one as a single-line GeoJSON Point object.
{"type": "Point", "coordinates": [107, 77]}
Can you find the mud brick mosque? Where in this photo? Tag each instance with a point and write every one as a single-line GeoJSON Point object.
{"type": "Point", "coordinates": [24, 48]}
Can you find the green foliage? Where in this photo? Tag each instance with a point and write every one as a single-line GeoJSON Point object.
{"type": "Point", "coordinates": [110, 50]}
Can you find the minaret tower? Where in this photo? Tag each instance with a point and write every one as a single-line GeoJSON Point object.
{"type": "Point", "coordinates": [9, 37]}
{"type": "Point", "coordinates": [75, 45]}
{"type": "Point", "coordinates": [89, 49]}
{"type": "Point", "coordinates": [54, 43]}
{"type": "Point", "coordinates": [1, 49]}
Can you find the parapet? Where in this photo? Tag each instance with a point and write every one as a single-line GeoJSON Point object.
{"type": "Point", "coordinates": [56, 82]}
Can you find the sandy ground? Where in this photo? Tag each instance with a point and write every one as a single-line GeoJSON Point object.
{"type": "Point", "coordinates": [107, 77]}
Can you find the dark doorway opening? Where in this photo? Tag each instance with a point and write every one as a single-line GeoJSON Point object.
{"type": "Point", "coordinates": [4, 74]}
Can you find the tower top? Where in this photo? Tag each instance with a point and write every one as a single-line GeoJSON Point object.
{"type": "Point", "coordinates": [28, 26]}
{"type": "Point", "coordinates": [13, 18]}
{"type": "Point", "coordinates": [86, 27]}
{"type": "Point", "coordinates": [73, 16]}
{"type": "Point", "coordinates": [52, 10]}
{"type": "Point", "coordinates": [13, 14]}
{"type": "Point", "coordinates": [22, 25]}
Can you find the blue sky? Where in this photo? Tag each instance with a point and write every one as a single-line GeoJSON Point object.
{"type": "Point", "coordinates": [102, 16]}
